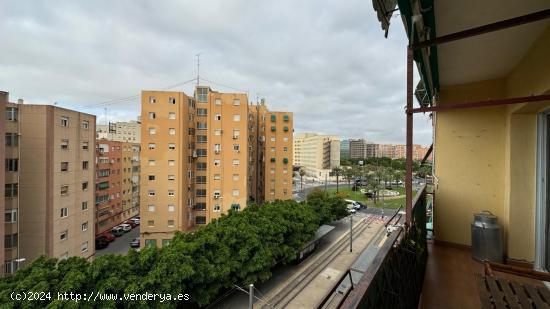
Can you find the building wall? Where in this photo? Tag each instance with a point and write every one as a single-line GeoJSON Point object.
{"type": "Point", "coordinates": [130, 180]}
{"type": "Point", "coordinates": [41, 180]}
{"type": "Point", "coordinates": [317, 154]}
{"type": "Point", "coordinates": [108, 187]}
{"type": "Point", "coordinates": [485, 159]}
{"type": "Point", "coordinates": [278, 156]}
{"type": "Point", "coordinates": [4, 97]}
{"type": "Point", "coordinates": [345, 148]}
{"type": "Point", "coordinates": [129, 132]}
{"type": "Point", "coordinates": [358, 149]}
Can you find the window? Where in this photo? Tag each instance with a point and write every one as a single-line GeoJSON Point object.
{"type": "Point", "coordinates": [202, 112]}
{"type": "Point", "coordinates": [64, 121]}
{"type": "Point", "coordinates": [171, 177]}
{"type": "Point", "coordinates": [11, 113]}
{"type": "Point", "coordinates": [201, 179]}
{"type": "Point", "coordinates": [285, 160]}
{"type": "Point", "coordinates": [201, 166]}
{"type": "Point", "coordinates": [12, 139]}
{"type": "Point", "coordinates": [152, 131]}
{"type": "Point", "coordinates": [273, 138]}
{"type": "Point", "coordinates": [217, 148]}
{"type": "Point", "coordinates": [151, 177]}
{"type": "Point", "coordinates": [84, 226]}
{"type": "Point", "coordinates": [10, 216]}
{"type": "Point", "coordinates": [201, 139]}
{"type": "Point", "coordinates": [236, 117]}
{"type": "Point", "coordinates": [217, 132]}
{"type": "Point", "coordinates": [151, 243]}
{"type": "Point", "coordinates": [151, 193]}
{"type": "Point", "coordinates": [201, 192]}
{"type": "Point", "coordinates": [171, 146]}
{"type": "Point", "coordinates": [64, 166]}
{"type": "Point", "coordinates": [217, 162]}
{"type": "Point", "coordinates": [64, 235]}
{"type": "Point", "coordinates": [64, 190]}
{"type": "Point", "coordinates": [236, 133]}
{"type": "Point", "coordinates": [200, 206]}
{"type": "Point", "coordinates": [171, 193]}
{"type": "Point", "coordinates": [170, 223]}
{"type": "Point", "coordinates": [152, 115]}
{"type": "Point", "coordinates": [217, 177]}
{"type": "Point", "coordinates": [151, 208]}
{"type": "Point", "coordinates": [235, 207]}
{"type": "Point", "coordinates": [272, 149]}
{"type": "Point", "coordinates": [152, 146]}
{"type": "Point", "coordinates": [201, 125]}
{"type": "Point", "coordinates": [202, 94]}
{"type": "Point", "coordinates": [84, 206]}
{"type": "Point", "coordinates": [166, 242]}
{"type": "Point", "coordinates": [201, 152]}
{"type": "Point", "coordinates": [200, 220]}
{"type": "Point", "coordinates": [171, 162]}
{"type": "Point", "coordinates": [64, 212]}
{"type": "Point", "coordinates": [84, 247]}
{"type": "Point", "coordinates": [171, 115]}
{"type": "Point", "coordinates": [273, 118]}
{"type": "Point", "coordinates": [236, 162]}
{"type": "Point", "coordinates": [285, 149]}
{"type": "Point", "coordinates": [171, 100]}
{"type": "Point", "coordinates": [84, 165]}
{"type": "Point", "coordinates": [285, 129]}
{"type": "Point", "coordinates": [285, 139]}
{"type": "Point", "coordinates": [85, 145]}
{"type": "Point", "coordinates": [236, 192]}
{"type": "Point", "coordinates": [217, 208]}
{"type": "Point", "coordinates": [236, 147]}
{"type": "Point", "coordinates": [85, 124]}
{"type": "Point", "coordinates": [11, 241]}
{"type": "Point", "coordinates": [172, 131]}
{"type": "Point", "coordinates": [272, 171]}
{"type": "Point", "coordinates": [152, 163]}
{"type": "Point", "coordinates": [152, 100]}
{"type": "Point", "coordinates": [171, 208]}
{"type": "Point", "coordinates": [236, 102]}
{"type": "Point", "coordinates": [85, 185]}
{"type": "Point", "coordinates": [64, 144]}
{"type": "Point", "coordinates": [218, 101]}
{"type": "Point", "coordinates": [12, 165]}
{"type": "Point", "coordinates": [218, 117]}
{"type": "Point", "coordinates": [273, 128]}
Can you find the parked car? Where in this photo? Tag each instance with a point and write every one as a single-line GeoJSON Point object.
{"type": "Point", "coordinates": [117, 231]}
{"type": "Point", "coordinates": [364, 206]}
{"type": "Point", "coordinates": [134, 243]}
{"type": "Point", "coordinates": [135, 220]}
{"type": "Point", "coordinates": [126, 227]}
{"type": "Point", "coordinates": [131, 223]}
{"type": "Point", "coordinates": [108, 236]}
{"type": "Point", "coordinates": [101, 242]}
{"type": "Point", "coordinates": [354, 204]}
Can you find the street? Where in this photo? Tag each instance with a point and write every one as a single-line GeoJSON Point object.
{"type": "Point", "coordinates": [121, 245]}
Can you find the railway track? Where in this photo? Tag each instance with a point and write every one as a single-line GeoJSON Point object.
{"type": "Point", "coordinates": [284, 296]}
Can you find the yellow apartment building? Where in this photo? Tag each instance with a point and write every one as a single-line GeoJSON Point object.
{"type": "Point", "coordinates": [130, 180]}
{"type": "Point", "coordinates": [49, 183]}
{"type": "Point", "coordinates": [317, 154]}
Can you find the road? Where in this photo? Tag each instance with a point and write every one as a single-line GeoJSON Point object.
{"type": "Point", "coordinates": [121, 245]}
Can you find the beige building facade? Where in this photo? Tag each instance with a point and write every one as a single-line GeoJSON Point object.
{"type": "Point", "coordinates": [317, 154]}
{"type": "Point", "coordinates": [49, 183]}
{"type": "Point", "coordinates": [129, 132]}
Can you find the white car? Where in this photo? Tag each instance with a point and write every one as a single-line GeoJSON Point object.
{"type": "Point", "coordinates": [135, 220]}
{"type": "Point", "coordinates": [126, 227]}
{"type": "Point", "coordinates": [354, 204]}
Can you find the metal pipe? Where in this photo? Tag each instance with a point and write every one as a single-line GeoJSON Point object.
{"type": "Point", "coordinates": [351, 233]}
{"type": "Point", "coordinates": [409, 143]}
{"type": "Point", "coordinates": [251, 296]}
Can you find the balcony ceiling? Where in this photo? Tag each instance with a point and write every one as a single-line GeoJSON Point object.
{"type": "Point", "coordinates": [488, 56]}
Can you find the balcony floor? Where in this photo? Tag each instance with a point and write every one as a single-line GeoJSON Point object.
{"type": "Point", "coordinates": [449, 279]}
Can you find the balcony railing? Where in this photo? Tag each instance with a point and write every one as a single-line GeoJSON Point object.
{"type": "Point", "coordinates": [395, 277]}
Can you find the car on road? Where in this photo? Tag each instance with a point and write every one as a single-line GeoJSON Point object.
{"type": "Point", "coordinates": [125, 227]}
{"type": "Point", "coordinates": [131, 223]}
{"type": "Point", "coordinates": [135, 220]}
{"type": "Point", "coordinates": [134, 243]}
{"type": "Point", "coordinates": [363, 206]}
{"type": "Point", "coordinates": [108, 236]}
{"type": "Point", "coordinates": [117, 231]}
{"type": "Point", "coordinates": [353, 203]}
{"type": "Point", "coordinates": [101, 242]}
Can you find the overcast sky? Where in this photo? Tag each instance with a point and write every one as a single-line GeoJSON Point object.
{"type": "Point", "coordinates": [327, 61]}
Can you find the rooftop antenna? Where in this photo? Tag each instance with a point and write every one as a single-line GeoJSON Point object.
{"type": "Point", "coordinates": [198, 67]}
{"type": "Point", "coordinates": [105, 113]}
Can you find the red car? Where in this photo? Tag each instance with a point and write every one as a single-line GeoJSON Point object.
{"type": "Point", "coordinates": [130, 222]}
{"type": "Point", "coordinates": [108, 236]}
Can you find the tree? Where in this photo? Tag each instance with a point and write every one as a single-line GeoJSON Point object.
{"type": "Point", "coordinates": [349, 174]}
{"type": "Point", "coordinates": [302, 173]}
{"type": "Point", "coordinates": [336, 171]}
{"type": "Point", "coordinates": [397, 176]}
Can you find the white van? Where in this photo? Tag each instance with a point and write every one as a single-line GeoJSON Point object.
{"type": "Point", "coordinates": [353, 204]}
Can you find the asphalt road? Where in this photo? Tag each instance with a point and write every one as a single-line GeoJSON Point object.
{"type": "Point", "coordinates": [121, 245]}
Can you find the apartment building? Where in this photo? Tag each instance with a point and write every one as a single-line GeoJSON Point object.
{"type": "Point", "coordinates": [345, 148]}
{"type": "Point", "coordinates": [194, 160]}
{"type": "Point", "coordinates": [270, 154]}
{"type": "Point", "coordinates": [108, 185]}
{"type": "Point", "coordinates": [358, 148]}
{"type": "Point", "coordinates": [317, 154]}
{"type": "Point", "coordinates": [6, 264]}
{"type": "Point", "coordinates": [48, 159]}
{"type": "Point", "coordinates": [372, 150]}
{"type": "Point", "coordinates": [130, 180]}
{"type": "Point", "coordinates": [129, 132]}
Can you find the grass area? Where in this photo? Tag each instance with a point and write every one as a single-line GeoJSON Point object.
{"type": "Point", "coordinates": [358, 196]}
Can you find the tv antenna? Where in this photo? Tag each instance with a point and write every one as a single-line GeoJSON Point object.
{"type": "Point", "coordinates": [198, 67]}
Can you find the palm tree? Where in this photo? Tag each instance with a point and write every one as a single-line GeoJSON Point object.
{"type": "Point", "coordinates": [398, 176]}
{"type": "Point", "coordinates": [337, 171]}
{"type": "Point", "coordinates": [349, 174]}
{"type": "Point", "coordinates": [302, 173]}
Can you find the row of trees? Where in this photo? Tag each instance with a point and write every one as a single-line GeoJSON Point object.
{"type": "Point", "coordinates": [241, 248]}
{"type": "Point", "coordinates": [369, 174]}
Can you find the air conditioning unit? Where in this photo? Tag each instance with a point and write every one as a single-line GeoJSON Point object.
{"type": "Point", "coordinates": [235, 136]}
{"type": "Point", "coordinates": [217, 151]}
{"type": "Point", "coordinates": [217, 195]}
{"type": "Point", "coordinates": [194, 154]}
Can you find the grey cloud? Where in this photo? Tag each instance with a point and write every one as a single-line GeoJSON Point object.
{"type": "Point", "coordinates": [327, 61]}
